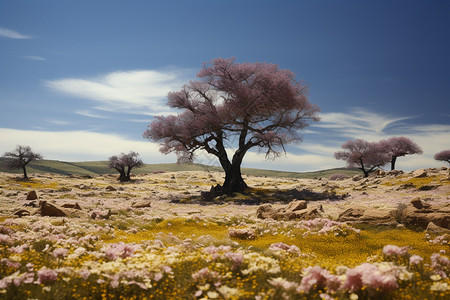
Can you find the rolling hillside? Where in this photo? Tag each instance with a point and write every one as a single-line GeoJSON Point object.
{"type": "Point", "coordinates": [94, 168]}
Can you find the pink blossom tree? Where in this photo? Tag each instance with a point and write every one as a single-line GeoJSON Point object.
{"type": "Point", "coordinates": [234, 105]}
{"type": "Point", "coordinates": [443, 156]}
{"type": "Point", "coordinates": [363, 155]}
{"type": "Point", "coordinates": [124, 163]}
{"type": "Point", "coordinates": [20, 158]}
{"type": "Point", "coordinates": [400, 146]}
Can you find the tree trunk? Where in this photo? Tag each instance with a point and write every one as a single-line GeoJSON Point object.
{"type": "Point", "coordinates": [234, 183]}
{"type": "Point", "coordinates": [128, 173]}
{"type": "Point", "coordinates": [394, 158]}
{"type": "Point", "coordinates": [25, 176]}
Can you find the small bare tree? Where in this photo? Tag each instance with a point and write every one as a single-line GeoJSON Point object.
{"type": "Point", "coordinates": [20, 158]}
{"type": "Point", "coordinates": [124, 163]}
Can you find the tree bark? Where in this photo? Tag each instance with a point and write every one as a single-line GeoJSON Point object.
{"type": "Point", "coordinates": [393, 160]}
{"type": "Point", "coordinates": [25, 176]}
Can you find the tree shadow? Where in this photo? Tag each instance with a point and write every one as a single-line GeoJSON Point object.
{"type": "Point", "coordinates": [254, 196]}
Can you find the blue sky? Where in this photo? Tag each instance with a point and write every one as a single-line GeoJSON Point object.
{"type": "Point", "coordinates": [81, 80]}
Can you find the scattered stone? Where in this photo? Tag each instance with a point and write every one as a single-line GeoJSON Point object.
{"type": "Point", "coordinates": [71, 205]}
{"type": "Point", "coordinates": [22, 212]}
{"type": "Point", "coordinates": [12, 194]}
{"type": "Point", "coordinates": [294, 210]}
{"type": "Point", "coordinates": [32, 195]}
{"type": "Point", "coordinates": [141, 204]}
{"type": "Point", "coordinates": [357, 177]}
{"type": "Point", "coordinates": [31, 204]}
{"type": "Point", "coordinates": [395, 172]}
{"type": "Point", "coordinates": [110, 188]}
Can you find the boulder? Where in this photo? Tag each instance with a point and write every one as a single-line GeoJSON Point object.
{"type": "Point", "coordinates": [419, 173]}
{"type": "Point", "coordinates": [111, 188]}
{"type": "Point", "coordinates": [415, 217]}
{"type": "Point", "coordinates": [433, 228]}
{"type": "Point", "coordinates": [141, 204]}
{"type": "Point", "coordinates": [368, 215]}
{"type": "Point", "coordinates": [31, 195]}
{"type": "Point", "coordinates": [296, 205]}
{"type": "Point", "coordinates": [50, 210]}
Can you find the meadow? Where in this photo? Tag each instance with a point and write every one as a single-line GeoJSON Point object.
{"type": "Point", "coordinates": [177, 248]}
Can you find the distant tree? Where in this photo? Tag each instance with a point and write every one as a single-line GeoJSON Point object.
{"type": "Point", "coordinates": [124, 163]}
{"type": "Point", "coordinates": [399, 146]}
{"type": "Point", "coordinates": [443, 156]}
{"type": "Point", "coordinates": [258, 104]}
{"type": "Point", "coordinates": [20, 158]}
{"type": "Point", "coordinates": [363, 155]}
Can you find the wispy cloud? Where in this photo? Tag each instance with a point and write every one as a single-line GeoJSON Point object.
{"type": "Point", "coordinates": [87, 113]}
{"type": "Point", "coordinates": [59, 122]}
{"type": "Point", "coordinates": [80, 145]}
{"type": "Point", "coordinates": [359, 122]}
{"type": "Point", "coordinates": [136, 91]}
{"type": "Point", "coordinates": [34, 57]}
{"type": "Point", "coordinates": [8, 33]}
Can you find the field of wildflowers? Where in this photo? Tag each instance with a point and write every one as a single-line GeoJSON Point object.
{"type": "Point", "coordinates": [211, 253]}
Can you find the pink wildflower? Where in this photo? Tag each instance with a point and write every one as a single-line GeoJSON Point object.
{"type": "Point", "coordinates": [415, 260]}
{"type": "Point", "coordinates": [318, 277]}
{"type": "Point", "coordinates": [283, 246]}
{"type": "Point", "coordinates": [84, 273]}
{"type": "Point", "coordinates": [369, 275]}
{"type": "Point", "coordinates": [236, 258]}
{"type": "Point", "coordinates": [60, 252]}
{"type": "Point", "coordinates": [205, 273]}
{"type": "Point", "coordinates": [395, 250]}
{"type": "Point", "coordinates": [19, 249]}
{"type": "Point", "coordinates": [4, 238]}
{"type": "Point", "coordinates": [121, 250]}
{"type": "Point", "coordinates": [47, 276]}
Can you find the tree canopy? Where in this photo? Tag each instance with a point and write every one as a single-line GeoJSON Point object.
{"type": "Point", "coordinates": [234, 105]}
{"type": "Point", "coordinates": [363, 155]}
{"type": "Point", "coordinates": [399, 146]}
{"type": "Point", "coordinates": [444, 155]}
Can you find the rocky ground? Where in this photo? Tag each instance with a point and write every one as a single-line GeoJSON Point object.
{"type": "Point", "coordinates": [415, 198]}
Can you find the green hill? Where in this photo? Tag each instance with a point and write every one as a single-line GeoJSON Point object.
{"type": "Point", "coordinates": [94, 168]}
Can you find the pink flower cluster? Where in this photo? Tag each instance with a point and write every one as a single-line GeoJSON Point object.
{"type": "Point", "coordinates": [440, 265]}
{"type": "Point", "coordinates": [369, 275]}
{"type": "Point", "coordinates": [206, 274]}
{"type": "Point", "coordinates": [319, 278]}
{"type": "Point", "coordinates": [325, 226]}
{"type": "Point", "coordinates": [221, 252]}
{"type": "Point", "coordinates": [16, 279]}
{"type": "Point", "coordinates": [122, 250]}
{"type": "Point", "coordinates": [47, 276]}
{"type": "Point", "coordinates": [282, 246]}
{"type": "Point", "coordinates": [392, 250]}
